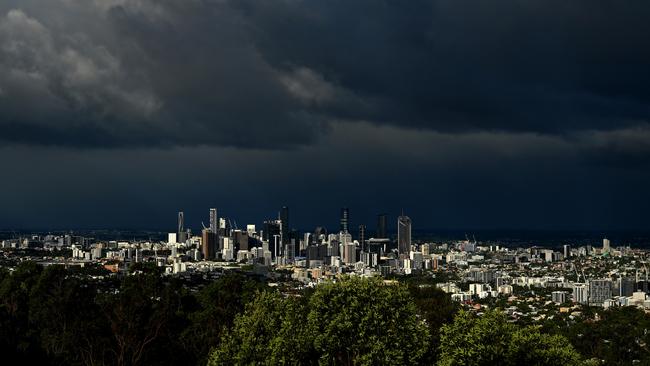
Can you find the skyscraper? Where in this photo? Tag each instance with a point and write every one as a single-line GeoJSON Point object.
{"type": "Point", "coordinates": [362, 237]}
{"type": "Point", "coordinates": [182, 235]}
{"type": "Point", "coordinates": [270, 233]}
{"type": "Point", "coordinates": [404, 234]}
{"type": "Point", "coordinates": [606, 246]}
{"type": "Point", "coordinates": [381, 226]}
{"type": "Point", "coordinates": [284, 219]}
{"type": "Point", "coordinates": [209, 244]}
{"type": "Point", "coordinates": [214, 221]}
{"type": "Point", "coordinates": [345, 216]}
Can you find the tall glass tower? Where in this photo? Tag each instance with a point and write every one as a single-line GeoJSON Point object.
{"type": "Point", "coordinates": [182, 235]}
{"type": "Point", "coordinates": [404, 234]}
{"type": "Point", "coordinates": [214, 221]}
{"type": "Point", "coordinates": [345, 216]}
{"type": "Point", "coordinates": [284, 218]}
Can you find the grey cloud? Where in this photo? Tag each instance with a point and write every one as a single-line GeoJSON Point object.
{"type": "Point", "coordinates": [627, 148]}
{"type": "Point", "coordinates": [441, 179]}
{"type": "Point", "coordinates": [280, 74]}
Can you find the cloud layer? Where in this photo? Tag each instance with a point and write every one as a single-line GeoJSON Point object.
{"type": "Point", "coordinates": [505, 113]}
{"type": "Point", "coordinates": [279, 74]}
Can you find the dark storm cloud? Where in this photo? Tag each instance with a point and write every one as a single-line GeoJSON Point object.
{"type": "Point", "coordinates": [473, 180]}
{"type": "Point", "coordinates": [279, 74]}
{"type": "Point", "coordinates": [546, 66]}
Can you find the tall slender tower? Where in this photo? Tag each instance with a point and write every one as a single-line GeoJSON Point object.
{"type": "Point", "coordinates": [284, 230]}
{"type": "Point", "coordinates": [345, 217]}
{"type": "Point", "coordinates": [182, 235]}
{"type": "Point", "coordinates": [214, 221]}
{"type": "Point", "coordinates": [362, 237]}
{"type": "Point", "coordinates": [381, 226]}
{"type": "Point", "coordinates": [404, 234]}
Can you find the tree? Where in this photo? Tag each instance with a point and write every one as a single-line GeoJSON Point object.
{"type": "Point", "coordinates": [268, 332]}
{"type": "Point", "coordinates": [68, 321]}
{"type": "Point", "coordinates": [17, 337]}
{"type": "Point", "coordinates": [139, 317]}
{"type": "Point", "coordinates": [352, 321]}
{"type": "Point", "coordinates": [437, 308]}
{"type": "Point", "coordinates": [490, 340]}
{"type": "Point", "coordinates": [218, 304]}
{"type": "Point", "coordinates": [620, 337]}
{"type": "Point", "coordinates": [364, 321]}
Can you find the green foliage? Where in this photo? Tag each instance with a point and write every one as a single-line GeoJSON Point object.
{"type": "Point", "coordinates": [16, 334]}
{"type": "Point", "coordinates": [490, 340]}
{"type": "Point", "coordinates": [358, 321]}
{"type": "Point", "coordinates": [216, 308]}
{"type": "Point", "coordinates": [620, 337]}
{"type": "Point", "coordinates": [352, 321]}
{"type": "Point", "coordinates": [55, 315]}
{"type": "Point", "coordinates": [437, 308]}
{"type": "Point", "coordinates": [148, 267]}
{"type": "Point", "coordinates": [68, 321]}
{"type": "Point", "coordinates": [270, 332]}
{"type": "Point", "coordinates": [59, 316]}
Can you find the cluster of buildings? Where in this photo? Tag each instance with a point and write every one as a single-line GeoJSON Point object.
{"type": "Point", "coordinates": [602, 277]}
{"type": "Point", "coordinates": [472, 271]}
{"type": "Point", "coordinates": [312, 255]}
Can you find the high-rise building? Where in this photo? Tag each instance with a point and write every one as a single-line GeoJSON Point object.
{"type": "Point", "coordinates": [345, 217]}
{"type": "Point", "coordinates": [250, 228]}
{"type": "Point", "coordinates": [606, 247]}
{"type": "Point", "coordinates": [284, 222]}
{"type": "Point", "coordinates": [319, 234]}
{"type": "Point", "coordinates": [349, 254]}
{"type": "Point", "coordinates": [559, 297]}
{"type": "Point", "coordinates": [580, 293]}
{"type": "Point", "coordinates": [214, 221]}
{"type": "Point", "coordinates": [626, 286]}
{"type": "Point", "coordinates": [240, 240]}
{"type": "Point", "coordinates": [271, 234]}
{"type": "Point", "coordinates": [567, 251]}
{"type": "Point", "coordinates": [362, 237]}
{"type": "Point", "coordinates": [404, 234]}
{"type": "Point", "coordinates": [381, 226]}
{"type": "Point", "coordinates": [599, 291]}
{"type": "Point", "coordinates": [209, 244]}
{"type": "Point", "coordinates": [182, 235]}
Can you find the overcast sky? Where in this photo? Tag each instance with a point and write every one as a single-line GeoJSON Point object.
{"type": "Point", "coordinates": [466, 114]}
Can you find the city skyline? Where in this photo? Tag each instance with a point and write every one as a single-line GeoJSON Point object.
{"type": "Point", "coordinates": [246, 182]}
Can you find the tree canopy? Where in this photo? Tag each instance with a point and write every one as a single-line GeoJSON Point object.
{"type": "Point", "coordinates": [353, 321]}
{"type": "Point", "coordinates": [490, 340]}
